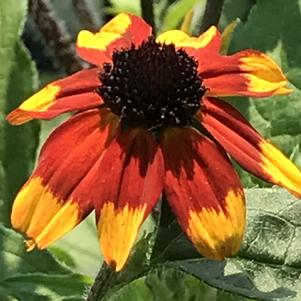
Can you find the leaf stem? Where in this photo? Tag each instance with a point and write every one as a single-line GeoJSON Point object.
{"type": "Point", "coordinates": [147, 9]}
{"type": "Point", "coordinates": [104, 280]}
{"type": "Point", "coordinates": [212, 14]}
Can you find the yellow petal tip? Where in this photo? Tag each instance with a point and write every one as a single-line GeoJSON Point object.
{"type": "Point", "coordinates": [280, 169]}
{"type": "Point", "coordinates": [118, 229]}
{"type": "Point", "coordinates": [42, 216]}
{"type": "Point", "coordinates": [219, 233]}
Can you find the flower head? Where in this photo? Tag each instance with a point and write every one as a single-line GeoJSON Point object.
{"type": "Point", "coordinates": [148, 122]}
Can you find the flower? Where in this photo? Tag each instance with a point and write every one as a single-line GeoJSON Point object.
{"type": "Point", "coordinates": [148, 122]}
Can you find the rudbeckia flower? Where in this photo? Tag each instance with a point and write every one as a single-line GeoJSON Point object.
{"type": "Point", "coordinates": [148, 121]}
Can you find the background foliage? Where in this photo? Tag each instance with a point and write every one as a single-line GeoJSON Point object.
{"type": "Point", "coordinates": [164, 265]}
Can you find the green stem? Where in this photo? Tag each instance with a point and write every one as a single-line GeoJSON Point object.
{"type": "Point", "coordinates": [147, 9]}
{"type": "Point", "coordinates": [104, 280]}
{"type": "Point", "coordinates": [212, 14]}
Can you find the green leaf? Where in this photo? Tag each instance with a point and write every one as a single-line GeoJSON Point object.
{"type": "Point", "coordinates": [198, 13]}
{"type": "Point", "coordinates": [278, 118]}
{"type": "Point", "coordinates": [268, 266]}
{"type": "Point", "coordinates": [170, 242]}
{"type": "Point", "coordinates": [233, 10]}
{"type": "Point", "coordinates": [126, 6]}
{"type": "Point", "coordinates": [296, 155]}
{"type": "Point", "coordinates": [175, 13]}
{"type": "Point", "coordinates": [163, 284]}
{"type": "Point", "coordinates": [18, 78]}
{"type": "Point", "coordinates": [168, 284]}
{"type": "Point", "coordinates": [35, 275]}
{"type": "Point", "coordinates": [63, 256]}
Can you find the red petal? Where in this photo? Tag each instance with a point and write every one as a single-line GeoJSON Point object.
{"type": "Point", "coordinates": [247, 146]}
{"type": "Point", "coordinates": [204, 192]}
{"type": "Point", "coordinates": [73, 93]}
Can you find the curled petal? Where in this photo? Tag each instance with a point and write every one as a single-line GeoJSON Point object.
{"type": "Point", "coordinates": [124, 185]}
{"type": "Point", "coordinates": [73, 93]}
{"type": "Point", "coordinates": [204, 192]}
{"type": "Point", "coordinates": [207, 43]}
{"type": "Point", "coordinates": [248, 147]}
{"type": "Point", "coordinates": [248, 73]}
{"type": "Point", "coordinates": [121, 32]}
{"type": "Point", "coordinates": [43, 209]}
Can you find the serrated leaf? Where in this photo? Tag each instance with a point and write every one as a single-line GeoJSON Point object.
{"type": "Point", "coordinates": [268, 266]}
{"type": "Point", "coordinates": [35, 275]}
{"type": "Point", "coordinates": [163, 284]}
{"type": "Point", "coordinates": [18, 77]}
{"type": "Point", "coordinates": [168, 284]}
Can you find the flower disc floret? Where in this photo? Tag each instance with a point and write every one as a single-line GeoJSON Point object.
{"type": "Point", "coordinates": [153, 85]}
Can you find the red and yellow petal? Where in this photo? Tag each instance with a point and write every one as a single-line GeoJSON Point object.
{"type": "Point", "coordinates": [204, 192]}
{"type": "Point", "coordinates": [43, 216]}
{"type": "Point", "coordinates": [44, 209]}
{"type": "Point", "coordinates": [206, 44]}
{"type": "Point", "coordinates": [247, 73]}
{"type": "Point", "coordinates": [125, 185]}
{"type": "Point", "coordinates": [121, 32]}
{"type": "Point", "coordinates": [75, 92]}
{"type": "Point", "coordinates": [118, 228]}
{"type": "Point", "coordinates": [247, 146]}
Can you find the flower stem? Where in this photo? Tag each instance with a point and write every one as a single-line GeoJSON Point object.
{"type": "Point", "coordinates": [147, 8]}
{"type": "Point", "coordinates": [212, 14]}
{"type": "Point", "coordinates": [85, 14]}
{"type": "Point", "coordinates": [104, 280]}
